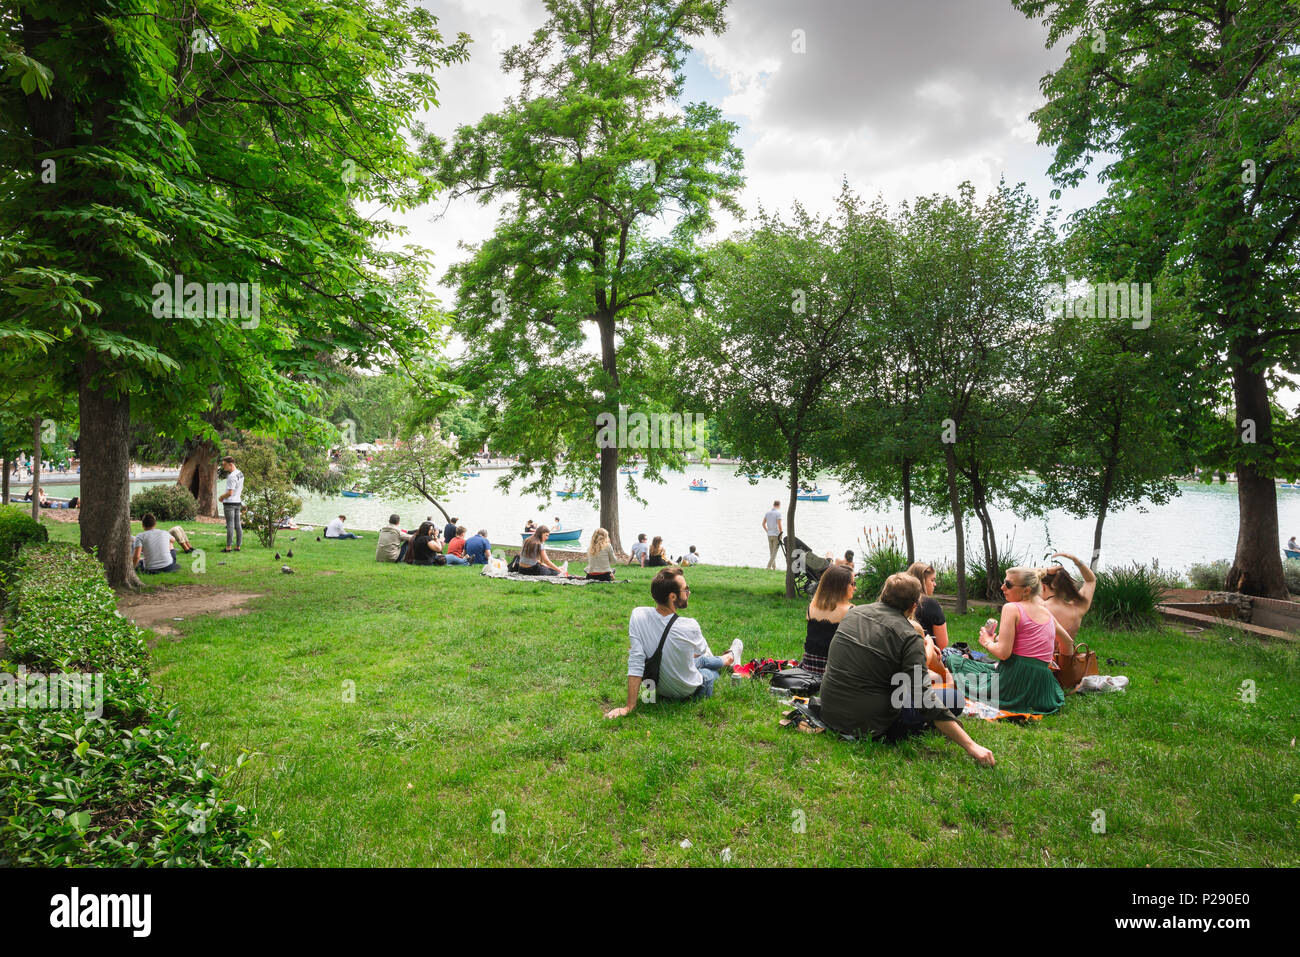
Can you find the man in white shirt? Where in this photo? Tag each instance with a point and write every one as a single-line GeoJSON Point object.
{"type": "Point", "coordinates": [691, 558]}
{"type": "Point", "coordinates": [392, 541]}
{"type": "Point", "coordinates": [639, 551]}
{"type": "Point", "coordinates": [232, 500]}
{"type": "Point", "coordinates": [772, 526]}
{"type": "Point", "coordinates": [335, 529]}
{"type": "Point", "coordinates": [151, 550]}
{"type": "Point", "coordinates": [687, 668]}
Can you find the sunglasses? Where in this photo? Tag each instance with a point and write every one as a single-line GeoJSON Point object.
{"type": "Point", "coordinates": [1006, 583]}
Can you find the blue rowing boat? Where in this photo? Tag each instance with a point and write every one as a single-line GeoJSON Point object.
{"type": "Point", "coordinates": [568, 535]}
{"type": "Point", "coordinates": [814, 496]}
{"type": "Point", "coordinates": [469, 475]}
{"type": "Point", "coordinates": [698, 488]}
{"type": "Point", "coordinates": [1291, 553]}
{"type": "Point", "coordinates": [567, 493]}
{"type": "Point", "coordinates": [352, 493]}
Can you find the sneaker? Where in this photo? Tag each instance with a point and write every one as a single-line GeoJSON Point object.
{"type": "Point", "coordinates": [564, 569]}
{"type": "Point", "coordinates": [736, 647]}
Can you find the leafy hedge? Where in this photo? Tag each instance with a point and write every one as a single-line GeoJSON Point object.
{"type": "Point", "coordinates": [17, 528]}
{"type": "Point", "coordinates": [125, 788]}
{"type": "Point", "coordinates": [169, 503]}
{"type": "Point", "coordinates": [1128, 596]}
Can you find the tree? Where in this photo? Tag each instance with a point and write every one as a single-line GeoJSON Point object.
{"type": "Point", "coordinates": [268, 488]}
{"type": "Point", "coordinates": [975, 278]}
{"type": "Point", "coordinates": [1198, 103]}
{"type": "Point", "coordinates": [177, 210]}
{"type": "Point", "coordinates": [779, 331]}
{"type": "Point", "coordinates": [590, 158]}
{"type": "Point", "coordinates": [426, 466]}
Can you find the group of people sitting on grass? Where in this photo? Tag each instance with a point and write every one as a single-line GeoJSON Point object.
{"type": "Point", "coordinates": [153, 551]}
{"type": "Point", "coordinates": [866, 654]}
{"type": "Point", "coordinates": [428, 545]}
{"type": "Point", "coordinates": [655, 555]}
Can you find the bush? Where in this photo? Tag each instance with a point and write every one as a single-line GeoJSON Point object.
{"type": "Point", "coordinates": [17, 528]}
{"type": "Point", "coordinates": [881, 557]}
{"type": "Point", "coordinates": [169, 503]}
{"type": "Point", "coordinates": [945, 577]}
{"type": "Point", "coordinates": [977, 579]}
{"type": "Point", "coordinates": [121, 787]}
{"type": "Point", "coordinates": [1291, 569]}
{"type": "Point", "coordinates": [1127, 596]}
{"type": "Point", "coordinates": [1211, 575]}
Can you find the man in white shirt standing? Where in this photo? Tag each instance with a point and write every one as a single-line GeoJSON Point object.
{"type": "Point", "coordinates": [772, 526]}
{"type": "Point", "coordinates": [232, 500]}
{"type": "Point", "coordinates": [687, 668]}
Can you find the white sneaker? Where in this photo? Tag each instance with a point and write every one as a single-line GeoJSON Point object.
{"type": "Point", "coordinates": [564, 569]}
{"type": "Point", "coordinates": [736, 647]}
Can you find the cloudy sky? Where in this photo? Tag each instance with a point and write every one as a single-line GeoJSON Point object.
{"type": "Point", "coordinates": [902, 97]}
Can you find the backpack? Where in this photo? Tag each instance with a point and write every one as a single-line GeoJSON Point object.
{"type": "Point", "coordinates": [796, 681]}
{"type": "Point", "coordinates": [651, 670]}
{"type": "Point", "coordinates": [514, 564]}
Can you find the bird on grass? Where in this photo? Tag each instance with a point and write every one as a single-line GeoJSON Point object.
{"type": "Point", "coordinates": [277, 556]}
{"type": "Point", "coordinates": [290, 553]}
{"type": "Point", "coordinates": [286, 569]}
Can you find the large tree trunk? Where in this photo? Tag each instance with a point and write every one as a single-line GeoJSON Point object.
{"type": "Point", "coordinates": [105, 484]}
{"type": "Point", "coordinates": [36, 468]}
{"type": "Point", "coordinates": [199, 475]}
{"type": "Point", "coordinates": [4, 480]}
{"type": "Point", "coordinates": [907, 511]}
{"type": "Point", "coordinates": [954, 501]}
{"type": "Point", "coordinates": [1257, 566]}
{"type": "Point", "coordinates": [789, 520]}
{"type": "Point", "coordinates": [609, 457]}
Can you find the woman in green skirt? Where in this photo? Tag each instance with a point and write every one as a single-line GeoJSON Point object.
{"type": "Point", "coordinates": [1025, 644]}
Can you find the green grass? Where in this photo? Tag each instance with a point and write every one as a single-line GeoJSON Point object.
{"type": "Point", "coordinates": [476, 696]}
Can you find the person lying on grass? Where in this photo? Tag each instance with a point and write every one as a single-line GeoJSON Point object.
{"type": "Point", "coordinates": [687, 668]}
{"type": "Point", "coordinates": [875, 653]}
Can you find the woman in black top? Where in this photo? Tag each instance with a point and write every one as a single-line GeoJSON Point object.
{"type": "Point", "coordinates": [831, 601]}
{"type": "Point", "coordinates": [928, 611]}
{"type": "Point", "coordinates": [423, 546]}
{"type": "Point", "coordinates": [657, 557]}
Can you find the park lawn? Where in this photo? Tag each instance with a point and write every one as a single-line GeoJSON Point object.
{"type": "Point", "coordinates": [477, 737]}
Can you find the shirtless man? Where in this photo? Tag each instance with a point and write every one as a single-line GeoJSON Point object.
{"type": "Point", "coordinates": [1067, 601]}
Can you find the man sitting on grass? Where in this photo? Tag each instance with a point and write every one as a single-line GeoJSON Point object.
{"type": "Point", "coordinates": [687, 668]}
{"type": "Point", "coordinates": [393, 542]}
{"type": "Point", "coordinates": [151, 550]}
{"type": "Point", "coordinates": [478, 549]}
{"type": "Point", "coordinates": [335, 529]}
{"type": "Point", "coordinates": [874, 655]}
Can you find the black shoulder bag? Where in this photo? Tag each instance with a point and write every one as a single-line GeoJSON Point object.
{"type": "Point", "coordinates": [651, 670]}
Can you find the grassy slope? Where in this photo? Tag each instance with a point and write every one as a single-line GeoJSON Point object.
{"type": "Point", "coordinates": [475, 696]}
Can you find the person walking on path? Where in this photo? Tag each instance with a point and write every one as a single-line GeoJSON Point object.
{"type": "Point", "coordinates": [232, 501]}
{"type": "Point", "coordinates": [772, 526]}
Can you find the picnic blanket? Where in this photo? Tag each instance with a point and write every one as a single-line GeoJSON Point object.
{"type": "Point", "coordinates": [802, 717]}
{"type": "Point", "coordinates": [553, 579]}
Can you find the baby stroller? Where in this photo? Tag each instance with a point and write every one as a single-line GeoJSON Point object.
{"type": "Point", "coordinates": [808, 565]}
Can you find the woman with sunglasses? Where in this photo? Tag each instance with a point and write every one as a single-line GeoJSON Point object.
{"type": "Point", "coordinates": [1025, 643]}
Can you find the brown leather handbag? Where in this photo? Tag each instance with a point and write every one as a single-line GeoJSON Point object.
{"type": "Point", "coordinates": [1070, 669]}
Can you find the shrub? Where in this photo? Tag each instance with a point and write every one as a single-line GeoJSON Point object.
{"type": "Point", "coordinates": [976, 573]}
{"type": "Point", "coordinates": [1291, 569]}
{"type": "Point", "coordinates": [1210, 575]}
{"type": "Point", "coordinates": [121, 787]}
{"type": "Point", "coordinates": [945, 577]}
{"type": "Point", "coordinates": [881, 557]}
{"type": "Point", "coordinates": [1127, 596]}
{"type": "Point", "coordinates": [169, 503]}
{"type": "Point", "coordinates": [17, 528]}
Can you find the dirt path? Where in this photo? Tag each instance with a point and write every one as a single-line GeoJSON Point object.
{"type": "Point", "coordinates": [159, 608]}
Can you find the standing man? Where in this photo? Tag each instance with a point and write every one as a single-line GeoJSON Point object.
{"type": "Point", "coordinates": [232, 501]}
{"type": "Point", "coordinates": [772, 526]}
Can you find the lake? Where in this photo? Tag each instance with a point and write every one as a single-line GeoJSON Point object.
{"type": "Point", "coordinates": [724, 523]}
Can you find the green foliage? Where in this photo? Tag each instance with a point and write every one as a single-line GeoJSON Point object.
{"type": "Point", "coordinates": [269, 497]}
{"type": "Point", "coordinates": [882, 556]}
{"type": "Point", "coordinates": [169, 503]}
{"type": "Point", "coordinates": [17, 528]}
{"type": "Point", "coordinates": [427, 466]}
{"type": "Point", "coordinates": [1126, 597]}
{"type": "Point", "coordinates": [116, 782]}
{"type": "Point", "coordinates": [980, 586]}
{"type": "Point", "coordinates": [1291, 569]}
{"type": "Point", "coordinates": [1210, 575]}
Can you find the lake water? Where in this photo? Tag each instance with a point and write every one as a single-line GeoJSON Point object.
{"type": "Point", "coordinates": [724, 523]}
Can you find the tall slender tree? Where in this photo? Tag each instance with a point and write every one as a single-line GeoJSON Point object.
{"type": "Point", "coordinates": [590, 158]}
